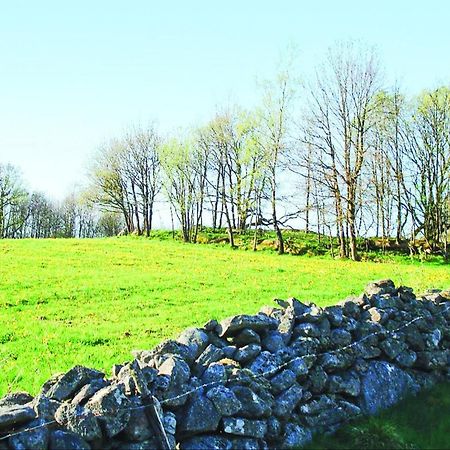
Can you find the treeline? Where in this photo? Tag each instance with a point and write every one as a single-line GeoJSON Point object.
{"type": "Point", "coordinates": [342, 155]}
{"type": "Point", "coordinates": [31, 214]}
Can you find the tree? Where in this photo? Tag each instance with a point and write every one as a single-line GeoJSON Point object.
{"type": "Point", "coordinates": [125, 178]}
{"type": "Point", "coordinates": [340, 117]}
{"type": "Point", "coordinates": [184, 180]}
{"type": "Point", "coordinates": [233, 167]}
{"type": "Point", "coordinates": [429, 160]}
{"type": "Point", "coordinates": [14, 202]}
{"type": "Point", "coordinates": [142, 166]}
{"type": "Point", "coordinates": [273, 138]}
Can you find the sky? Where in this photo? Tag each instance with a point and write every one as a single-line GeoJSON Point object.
{"type": "Point", "coordinates": [75, 74]}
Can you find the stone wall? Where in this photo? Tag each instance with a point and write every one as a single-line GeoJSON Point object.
{"type": "Point", "coordinates": [270, 380]}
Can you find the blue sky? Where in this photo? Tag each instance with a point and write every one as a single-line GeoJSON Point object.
{"type": "Point", "coordinates": [73, 74]}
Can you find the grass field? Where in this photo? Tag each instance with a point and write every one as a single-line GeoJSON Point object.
{"type": "Point", "coordinates": [90, 302]}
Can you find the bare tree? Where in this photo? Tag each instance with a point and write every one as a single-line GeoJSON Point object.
{"type": "Point", "coordinates": [340, 116]}
{"type": "Point", "coordinates": [273, 138]}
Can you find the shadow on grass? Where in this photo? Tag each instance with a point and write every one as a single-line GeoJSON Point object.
{"type": "Point", "coordinates": [421, 422]}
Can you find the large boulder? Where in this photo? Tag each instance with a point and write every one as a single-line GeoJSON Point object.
{"type": "Point", "coordinates": [195, 338]}
{"type": "Point", "coordinates": [112, 407]}
{"type": "Point", "coordinates": [72, 381]}
{"type": "Point", "coordinates": [200, 416]}
{"type": "Point", "coordinates": [10, 416]}
{"type": "Point", "coordinates": [79, 420]}
{"type": "Point", "coordinates": [384, 385]}
{"type": "Point", "coordinates": [34, 437]}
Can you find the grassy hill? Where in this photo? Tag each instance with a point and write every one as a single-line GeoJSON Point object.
{"type": "Point", "coordinates": [90, 302]}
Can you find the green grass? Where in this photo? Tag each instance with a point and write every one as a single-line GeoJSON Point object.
{"type": "Point", "coordinates": [90, 302]}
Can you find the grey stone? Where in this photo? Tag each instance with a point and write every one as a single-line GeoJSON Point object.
{"type": "Point", "coordinates": [282, 381]}
{"type": "Point", "coordinates": [196, 339]}
{"type": "Point", "coordinates": [287, 324]}
{"type": "Point", "coordinates": [79, 420]}
{"type": "Point", "coordinates": [315, 407]}
{"type": "Point", "coordinates": [253, 406]}
{"type": "Point", "coordinates": [334, 314]}
{"type": "Point", "coordinates": [352, 307]}
{"type": "Point", "coordinates": [246, 336]}
{"type": "Point", "coordinates": [340, 338]}
{"type": "Point", "coordinates": [206, 442]}
{"type": "Point", "coordinates": [165, 348]}
{"type": "Point", "coordinates": [307, 329]}
{"type": "Point", "coordinates": [229, 351]}
{"type": "Point", "coordinates": [211, 325]}
{"type": "Point", "coordinates": [380, 287]}
{"type": "Point", "coordinates": [271, 311]}
{"type": "Point", "coordinates": [246, 443]}
{"type": "Point", "coordinates": [170, 423]}
{"type": "Point", "coordinates": [225, 401]}
{"type": "Point", "coordinates": [111, 404]}
{"type": "Point", "coordinates": [392, 347]}
{"type": "Point", "coordinates": [383, 385]}
{"type": "Point", "coordinates": [241, 426]}
{"type": "Point", "coordinates": [324, 328]}
{"type": "Point", "coordinates": [326, 420]}
{"type": "Point", "coordinates": [11, 416]}
{"type": "Point", "coordinates": [299, 307]}
{"type": "Point", "coordinates": [45, 407]}
{"type": "Point", "coordinates": [200, 416]}
{"type": "Point", "coordinates": [264, 362]}
{"type": "Point", "coordinates": [286, 402]}
{"type": "Point", "coordinates": [50, 383]}
{"type": "Point", "coordinates": [161, 384]}
{"type": "Point", "coordinates": [35, 439]}
{"type": "Point", "coordinates": [295, 436]}
{"type": "Point", "coordinates": [407, 358]}
{"type": "Point", "coordinates": [318, 378]}
{"type": "Point", "coordinates": [72, 381]}
{"type": "Point", "coordinates": [138, 428]}
{"type": "Point", "coordinates": [177, 369]}
{"type": "Point", "coordinates": [233, 325]}
{"type": "Point", "coordinates": [386, 301]}
{"type": "Point", "coordinates": [374, 315]}
{"type": "Point", "coordinates": [65, 440]}
{"type": "Point", "coordinates": [433, 339]}
{"type": "Point", "coordinates": [299, 367]}
{"type": "Point", "coordinates": [346, 383]}
{"type": "Point", "coordinates": [304, 346]}
{"type": "Point", "coordinates": [150, 444]}
{"type": "Point", "coordinates": [431, 360]}
{"type": "Point", "coordinates": [367, 351]}
{"type": "Point", "coordinates": [273, 341]}
{"type": "Point", "coordinates": [88, 390]}
{"type": "Point", "coordinates": [215, 373]}
{"type": "Point", "coordinates": [16, 399]}
{"type": "Point", "coordinates": [313, 314]}
{"type": "Point", "coordinates": [333, 361]}
{"type": "Point", "coordinates": [211, 354]}
{"type": "Point", "coordinates": [273, 428]}
{"type": "Point", "coordinates": [247, 353]}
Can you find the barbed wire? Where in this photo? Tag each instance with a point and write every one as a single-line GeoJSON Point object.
{"type": "Point", "coordinates": [264, 374]}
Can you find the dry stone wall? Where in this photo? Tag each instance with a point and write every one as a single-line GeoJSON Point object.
{"type": "Point", "coordinates": [270, 380]}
